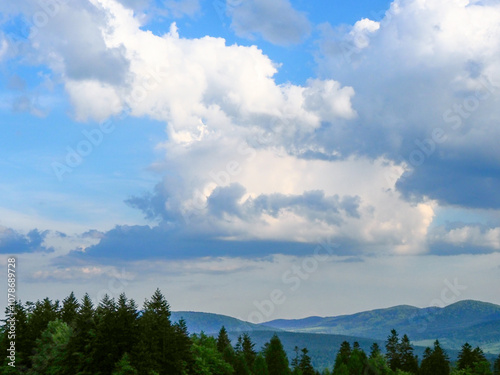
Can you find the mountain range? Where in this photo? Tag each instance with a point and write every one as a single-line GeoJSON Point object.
{"type": "Point", "coordinates": [465, 321]}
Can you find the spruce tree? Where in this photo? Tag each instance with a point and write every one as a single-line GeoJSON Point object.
{"type": "Point", "coordinates": [409, 361]}
{"type": "Point", "coordinates": [23, 344]}
{"type": "Point", "coordinates": [223, 340]}
{"type": "Point", "coordinates": [248, 351]}
{"type": "Point", "coordinates": [496, 366]}
{"type": "Point", "coordinates": [123, 366]}
{"type": "Point", "coordinates": [50, 349]}
{"type": "Point", "coordinates": [69, 309]}
{"type": "Point", "coordinates": [435, 361]}
{"type": "Point", "coordinates": [465, 357]}
{"type": "Point", "coordinates": [392, 351]}
{"type": "Point", "coordinates": [358, 361]}
{"type": "Point", "coordinates": [305, 364]}
{"type": "Point", "coordinates": [342, 358]}
{"type": "Point", "coordinates": [260, 365]}
{"type": "Point", "coordinates": [276, 359]}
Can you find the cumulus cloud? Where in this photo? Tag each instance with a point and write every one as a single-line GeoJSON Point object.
{"type": "Point", "coordinates": [275, 21]}
{"type": "Point", "coordinates": [426, 80]}
{"type": "Point", "coordinates": [465, 238]}
{"type": "Point", "coordinates": [14, 242]}
{"type": "Point", "coordinates": [356, 154]}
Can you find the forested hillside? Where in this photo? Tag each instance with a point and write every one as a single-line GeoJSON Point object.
{"type": "Point", "coordinates": [117, 338]}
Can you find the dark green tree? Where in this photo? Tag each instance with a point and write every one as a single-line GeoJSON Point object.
{"type": "Point", "coordinates": [41, 313]}
{"type": "Point", "coordinates": [435, 361]}
{"type": "Point", "coordinates": [248, 350]}
{"type": "Point", "coordinates": [342, 358]}
{"type": "Point", "coordinates": [473, 360]}
{"type": "Point", "coordinates": [223, 340]}
{"type": "Point", "coordinates": [156, 349]}
{"type": "Point", "coordinates": [183, 357]}
{"type": "Point", "coordinates": [392, 353]}
{"type": "Point", "coordinates": [358, 362]}
{"type": "Point", "coordinates": [295, 362]}
{"type": "Point", "coordinates": [69, 310]}
{"type": "Point", "coordinates": [408, 361]}
{"type": "Point", "coordinates": [260, 365]}
{"type": "Point", "coordinates": [465, 357]}
{"type": "Point", "coordinates": [123, 366]}
{"type": "Point", "coordinates": [276, 359]}
{"type": "Point", "coordinates": [78, 355]}
{"type": "Point", "coordinates": [374, 350]}
{"type": "Point", "coordinates": [105, 346]}
{"type": "Point", "coordinates": [305, 364]}
{"type": "Point", "coordinates": [496, 366]}
{"type": "Point", "coordinates": [23, 344]}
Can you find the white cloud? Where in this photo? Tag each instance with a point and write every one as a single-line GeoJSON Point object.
{"type": "Point", "coordinates": [226, 116]}
{"type": "Point", "coordinates": [427, 66]}
{"type": "Point", "coordinates": [473, 236]}
{"type": "Point", "coordinates": [93, 100]}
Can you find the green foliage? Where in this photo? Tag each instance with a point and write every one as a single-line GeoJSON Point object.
{"type": "Point", "coordinates": [409, 361]}
{"type": "Point", "coordinates": [207, 359]}
{"type": "Point", "coordinates": [377, 365]}
{"type": "Point", "coordinates": [260, 365]}
{"type": "Point", "coordinates": [123, 367]}
{"type": "Point", "coordinates": [496, 366]}
{"type": "Point", "coordinates": [342, 358]}
{"type": "Point", "coordinates": [116, 339]}
{"type": "Point", "coordinates": [435, 361]}
{"type": "Point", "coordinates": [305, 365]}
{"type": "Point", "coordinates": [276, 359]}
{"type": "Point", "coordinates": [69, 310]}
{"type": "Point", "coordinates": [399, 354]}
{"type": "Point", "coordinates": [50, 349]}
{"type": "Point", "coordinates": [392, 351]}
{"type": "Point", "coordinates": [473, 361]}
{"type": "Point", "coordinates": [223, 340]}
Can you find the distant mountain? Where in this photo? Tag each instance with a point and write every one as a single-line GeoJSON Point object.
{"type": "Point", "coordinates": [472, 321]}
{"type": "Point", "coordinates": [212, 323]}
{"type": "Point", "coordinates": [467, 321]}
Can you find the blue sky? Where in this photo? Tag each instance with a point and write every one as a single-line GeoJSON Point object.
{"type": "Point", "coordinates": [209, 148]}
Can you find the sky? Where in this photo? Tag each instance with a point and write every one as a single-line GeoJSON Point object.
{"type": "Point", "coordinates": [251, 158]}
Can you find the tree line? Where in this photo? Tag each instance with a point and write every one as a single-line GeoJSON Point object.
{"type": "Point", "coordinates": [116, 338]}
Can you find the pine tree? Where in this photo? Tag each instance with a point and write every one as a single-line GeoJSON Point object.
{"type": "Point", "coordinates": [409, 361]}
{"type": "Point", "coordinates": [374, 350]}
{"type": "Point", "coordinates": [50, 349]}
{"type": "Point", "coordinates": [123, 366]}
{"type": "Point", "coordinates": [248, 351]}
{"type": "Point", "coordinates": [435, 361]}
{"type": "Point", "coordinates": [69, 309]}
{"type": "Point", "coordinates": [156, 347]}
{"type": "Point", "coordinates": [276, 359]}
{"type": "Point", "coordinates": [183, 358]}
{"type": "Point", "coordinates": [23, 344]}
{"type": "Point", "coordinates": [496, 366]}
{"type": "Point", "coordinates": [41, 313]}
{"type": "Point", "coordinates": [295, 362]}
{"type": "Point", "coordinates": [465, 357]}
{"type": "Point", "coordinates": [207, 359]}
{"type": "Point", "coordinates": [223, 340]}
{"type": "Point", "coordinates": [392, 351]}
{"type": "Point", "coordinates": [78, 355]}
{"type": "Point", "coordinates": [126, 325]}
{"type": "Point", "coordinates": [260, 365]}
{"type": "Point", "coordinates": [342, 357]}
{"type": "Point", "coordinates": [305, 365]}
{"type": "Point", "coordinates": [358, 361]}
